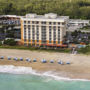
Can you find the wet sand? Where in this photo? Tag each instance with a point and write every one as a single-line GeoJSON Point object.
{"type": "Point", "coordinates": [79, 67]}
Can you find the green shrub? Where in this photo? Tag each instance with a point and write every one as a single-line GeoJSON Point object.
{"type": "Point", "coordinates": [85, 50]}
{"type": "Point", "coordinates": [10, 42]}
{"type": "Point", "coordinates": [0, 43]}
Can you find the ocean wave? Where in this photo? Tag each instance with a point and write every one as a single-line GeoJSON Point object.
{"type": "Point", "coordinates": [28, 70]}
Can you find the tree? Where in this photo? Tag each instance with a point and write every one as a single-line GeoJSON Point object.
{"type": "Point", "coordinates": [75, 33]}
{"type": "Point", "coordinates": [73, 8]}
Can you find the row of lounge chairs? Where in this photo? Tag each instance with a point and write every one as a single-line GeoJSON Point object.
{"type": "Point", "coordinates": [34, 60]}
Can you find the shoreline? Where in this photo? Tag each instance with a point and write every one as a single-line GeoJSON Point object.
{"type": "Point", "coordinates": [79, 67]}
{"type": "Point", "coordinates": [18, 71]}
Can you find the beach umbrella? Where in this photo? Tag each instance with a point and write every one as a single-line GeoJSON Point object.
{"type": "Point", "coordinates": [68, 62]}
{"type": "Point", "coordinates": [21, 59]}
{"type": "Point", "coordinates": [15, 58]}
{"type": "Point", "coordinates": [60, 62]}
{"type": "Point", "coordinates": [9, 58]}
{"type": "Point", "coordinates": [34, 60]}
{"type": "Point", "coordinates": [43, 61]}
{"type": "Point", "coordinates": [2, 57]}
{"type": "Point", "coordinates": [51, 61]}
{"type": "Point", "coordinates": [27, 59]}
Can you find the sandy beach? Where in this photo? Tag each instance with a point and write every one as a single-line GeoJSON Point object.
{"type": "Point", "coordinates": [79, 67]}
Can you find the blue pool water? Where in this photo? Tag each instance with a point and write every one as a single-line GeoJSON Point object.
{"type": "Point", "coordinates": [34, 82]}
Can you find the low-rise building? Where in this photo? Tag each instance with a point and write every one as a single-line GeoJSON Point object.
{"type": "Point", "coordinates": [75, 24]}
{"type": "Point", "coordinates": [10, 20]}
{"type": "Point", "coordinates": [9, 24]}
{"type": "Point", "coordinates": [78, 22]}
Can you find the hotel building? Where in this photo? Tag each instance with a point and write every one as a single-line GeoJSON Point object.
{"type": "Point", "coordinates": [47, 30]}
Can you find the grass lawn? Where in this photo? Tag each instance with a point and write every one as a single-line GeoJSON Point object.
{"type": "Point", "coordinates": [64, 50]}
{"type": "Point", "coordinates": [85, 50]}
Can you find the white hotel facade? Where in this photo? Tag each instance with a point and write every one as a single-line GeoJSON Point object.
{"type": "Point", "coordinates": [47, 30]}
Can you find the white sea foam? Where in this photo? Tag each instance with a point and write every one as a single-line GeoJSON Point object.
{"type": "Point", "coordinates": [28, 70]}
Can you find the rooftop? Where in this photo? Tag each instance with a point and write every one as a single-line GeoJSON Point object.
{"type": "Point", "coordinates": [49, 16]}
{"type": "Point", "coordinates": [78, 21]}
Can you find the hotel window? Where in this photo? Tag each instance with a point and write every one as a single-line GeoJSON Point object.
{"type": "Point", "coordinates": [54, 27]}
{"type": "Point", "coordinates": [58, 36]}
{"type": "Point", "coordinates": [37, 34]}
{"type": "Point", "coordinates": [50, 35]}
{"type": "Point", "coordinates": [50, 23]}
{"type": "Point", "coordinates": [59, 42]}
{"type": "Point", "coordinates": [37, 26]}
{"type": "Point", "coordinates": [58, 27]}
{"type": "Point", "coordinates": [43, 22]}
{"type": "Point", "coordinates": [33, 26]}
{"type": "Point", "coordinates": [24, 26]}
{"type": "Point", "coordinates": [50, 27]}
{"type": "Point", "coordinates": [33, 40]}
{"type": "Point", "coordinates": [54, 23]}
{"type": "Point", "coordinates": [29, 26]}
{"type": "Point", "coordinates": [43, 34]}
{"type": "Point", "coordinates": [24, 22]}
{"type": "Point", "coordinates": [24, 30]}
{"type": "Point", "coordinates": [37, 22]}
{"type": "Point", "coordinates": [54, 35]}
{"type": "Point", "coordinates": [29, 34]}
{"type": "Point", "coordinates": [28, 22]}
{"type": "Point", "coordinates": [24, 36]}
{"type": "Point", "coordinates": [33, 33]}
{"type": "Point", "coordinates": [54, 42]}
{"type": "Point", "coordinates": [49, 30]}
{"type": "Point", "coordinates": [37, 40]}
{"type": "Point", "coordinates": [29, 40]}
{"type": "Point", "coordinates": [33, 22]}
{"type": "Point", "coordinates": [63, 23]}
{"type": "Point", "coordinates": [59, 23]}
{"type": "Point", "coordinates": [50, 38]}
{"type": "Point", "coordinates": [28, 31]}
{"type": "Point", "coordinates": [24, 40]}
{"type": "Point", "coordinates": [50, 41]}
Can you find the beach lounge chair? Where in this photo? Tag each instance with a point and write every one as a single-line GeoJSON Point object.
{"type": "Point", "coordinates": [21, 59]}
{"type": "Point", "coordinates": [68, 62]}
{"type": "Point", "coordinates": [2, 57]}
{"type": "Point", "coordinates": [9, 58]}
{"type": "Point", "coordinates": [34, 60]}
{"type": "Point", "coordinates": [51, 61]}
{"type": "Point", "coordinates": [43, 61]}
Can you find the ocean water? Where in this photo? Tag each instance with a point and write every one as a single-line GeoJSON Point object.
{"type": "Point", "coordinates": [32, 81]}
